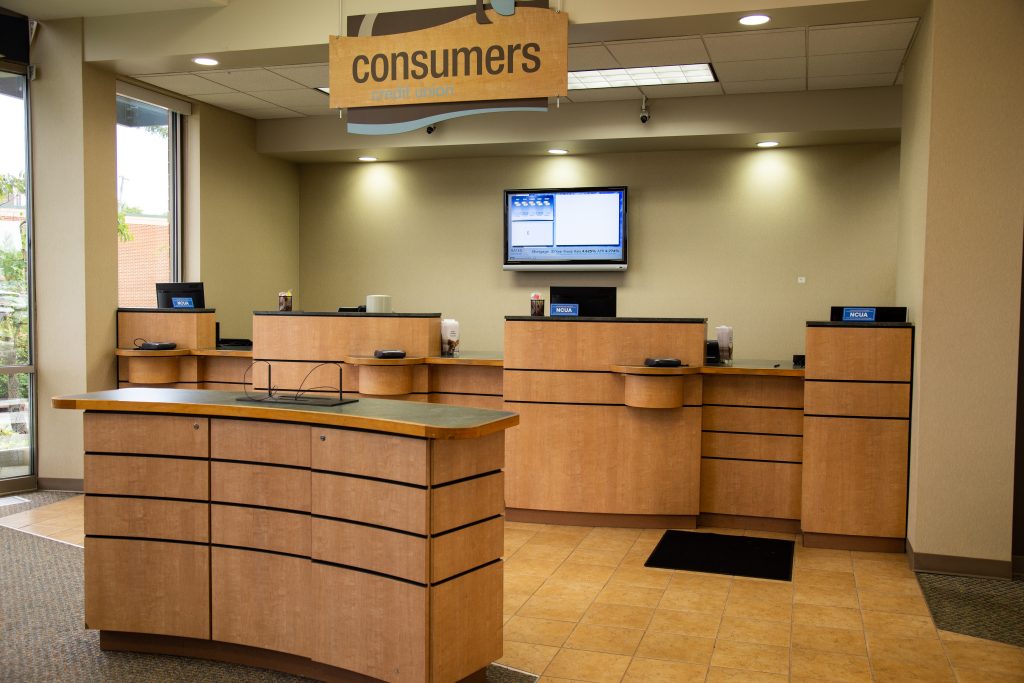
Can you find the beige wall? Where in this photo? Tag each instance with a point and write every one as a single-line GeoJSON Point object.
{"type": "Point", "coordinates": [716, 234]}
{"type": "Point", "coordinates": [75, 241]}
{"type": "Point", "coordinates": [244, 221]}
{"type": "Point", "coordinates": [967, 251]}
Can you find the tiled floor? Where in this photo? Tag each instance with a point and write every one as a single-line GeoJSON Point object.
{"type": "Point", "coordinates": [580, 606]}
{"type": "Point", "coordinates": [63, 521]}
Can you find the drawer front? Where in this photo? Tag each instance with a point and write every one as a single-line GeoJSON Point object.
{"type": "Point", "coordinates": [466, 548]}
{"type": "Point", "coordinates": [265, 485]}
{"type": "Point", "coordinates": [772, 447]}
{"type": "Point", "coordinates": [858, 399]}
{"type": "Point", "coordinates": [262, 600]}
{"type": "Point", "coordinates": [562, 387]}
{"type": "Point", "coordinates": [750, 489]}
{"type": "Point", "coordinates": [282, 532]}
{"type": "Point", "coordinates": [147, 518]}
{"type": "Point", "coordinates": [366, 547]}
{"type": "Point", "coordinates": [753, 420]}
{"type": "Point", "coordinates": [384, 456]}
{"type": "Point", "coordinates": [147, 587]}
{"type": "Point", "coordinates": [754, 390]}
{"type": "Point", "coordinates": [466, 502]}
{"type": "Point", "coordinates": [281, 444]}
{"type": "Point", "coordinates": [149, 434]}
{"type": "Point", "coordinates": [373, 502]}
{"type": "Point", "coordinates": [465, 623]}
{"type": "Point", "coordinates": [863, 353]}
{"type": "Point", "coordinates": [466, 379]}
{"type": "Point", "coordinates": [384, 634]}
{"type": "Point", "coordinates": [453, 459]}
{"type": "Point", "coordinates": [128, 475]}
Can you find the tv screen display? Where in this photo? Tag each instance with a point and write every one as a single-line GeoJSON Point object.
{"type": "Point", "coordinates": [180, 295]}
{"type": "Point", "coordinates": [581, 228]}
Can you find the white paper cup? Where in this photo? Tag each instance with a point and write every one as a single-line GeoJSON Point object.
{"type": "Point", "coordinates": [378, 303]}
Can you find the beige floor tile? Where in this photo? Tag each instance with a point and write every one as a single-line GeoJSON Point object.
{"type": "Point", "coordinates": [531, 566]}
{"type": "Point", "coordinates": [888, 585]}
{"type": "Point", "coordinates": [829, 666]}
{"type": "Point", "coordinates": [899, 604]}
{"type": "Point", "coordinates": [72, 536]}
{"type": "Point", "coordinates": [898, 625]}
{"type": "Point", "coordinates": [527, 656]}
{"type": "Point", "coordinates": [900, 671]}
{"type": "Point", "coordinates": [817, 558]}
{"type": "Point", "coordinates": [623, 616]}
{"type": "Point", "coordinates": [823, 578]}
{"type": "Point", "coordinates": [522, 583]}
{"type": "Point", "coordinates": [637, 596]}
{"type": "Point", "coordinates": [874, 568]}
{"type": "Point", "coordinates": [513, 601]}
{"type": "Point", "coordinates": [830, 597]}
{"type": "Point", "coordinates": [635, 558]}
{"type": "Point", "coordinates": [661, 671]}
{"type": "Point", "coordinates": [614, 534]}
{"type": "Point", "coordinates": [47, 529]}
{"type": "Point", "coordinates": [524, 526]}
{"type": "Point", "coordinates": [704, 583]}
{"type": "Point", "coordinates": [754, 609]}
{"type": "Point", "coordinates": [537, 631]}
{"type": "Point", "coordinates": [751, 657]}
{"type": "Point", "coordinates": [623, 543]}
{"type": "Point", "coordinates": [780, 535]}
{"type": "Point", "coordinates": [581, 665]}
{"type": "Point", "coordinates": [676, 647]}
{"type": "Point", "coordinates": [687, 623]}
{"type": "Point", "coordinates": [919, 651]}
{"type": "Point", "coordinates": [583, 573]}
{"type": "Point", "coordinates": [688, 600]}
{"type": "Point", "coordinates": [825, 639]}
{"type": "Point", "coordinates": [832, 617]}
{"type": "Point", "coordinates": [555, 587]}
{"type": "Point", "coordinates": [985, 655]}
{"type": "Point", "coordinates": [756, 631]}
{"type": "Point", "coordinates": [719, 675]}
{"type": "Point", "coordinates": [724, 531]}
{"type": "Point", "coordinates": [761, 591]}
{"type": "Point", "coordinates": [611, 639]}
{"type": "Point", "coordinates": [557, 537]}
{"type": "Point", "coordinates": [543, 553]}
{"type": "Point", "coordinates": [559, 608]}
{"type": "Point", "coordinates": [898, 558]}
{"type": "Point", "coordinates": [551, 679]}
{"type": "Point", "coordinates": [642, 576]}
{"type": "Point", "coordinates": [983, 676]}
{"type": "Point", "coordinates": [651, 535]}
{"type": "Point", "coordinates": [597, 556]}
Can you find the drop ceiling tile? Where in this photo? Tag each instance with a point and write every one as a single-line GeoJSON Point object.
{"type": "Point", "coordinates": [681, 90]}
{"type": "Point", "coordinates": [773, 85]}
{"type": "Point", "coordinates": [853, 63]}
{"type": "Point", "coordinates": [761, 70]}
{"type": "Point", "coordinates": [750, 45]}
{"type": "Point", "coordinates": [316, 111]}
{"type": "Point", "coordinates": [852, 81]}
{"type": "Point", "coordinates": [237, 100]}
{"type": "Point", "coordinates": [269, 113]}
{"type": "Point", "coordinates": [294, 98]}
{"type": "Point", "coordinates": [309, 75]}
{"type": "Point", "coordinates": [659, 52]}
{"type": "Point", "coordinates": [605, 94]}
{"type": "Point", "coordinates": [251, 80]}
{"type": "Point", "coordinates": [590, 58]}
{"type": "Point", "coordinates": [185, 84]}
{"type": "Point", "coordinates": [873, 36]}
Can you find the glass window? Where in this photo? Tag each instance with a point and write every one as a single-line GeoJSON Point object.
{"type": "Point", "coordinates": [17, 375]}
{"type": "Point", "coordinates": [147, 200]}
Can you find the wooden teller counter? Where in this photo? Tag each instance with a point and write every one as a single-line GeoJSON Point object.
{"type": "Point", "coordinates": [604, 440]}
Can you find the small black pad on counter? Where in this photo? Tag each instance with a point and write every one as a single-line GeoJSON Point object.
{"type": "Point", "coordinates": [157, 346]}
{"type": "Point", "coordinates": [389, 353]}
{"type": "Point", "coordinates": [663, 363]}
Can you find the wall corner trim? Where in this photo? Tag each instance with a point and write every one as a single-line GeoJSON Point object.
{"type": "Point", "coordinates": [959, 566]}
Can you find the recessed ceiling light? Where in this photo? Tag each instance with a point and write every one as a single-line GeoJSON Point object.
{"type": "Point", "coordinates": [205, 61]}
{"type": "Point", "coordinates": [326, 91]}
{"type": "Point", "coordinates": [768, 143]}
{"type": "Point", "coordinates": [639, 76]}
{"type": "Point", "coordinates": [755, 19]}
{"type": "Point", "coordinates": [555, 150]}
{"type": "Point", "coordinates": [367, 158]}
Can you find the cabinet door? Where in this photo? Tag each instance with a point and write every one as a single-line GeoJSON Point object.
{"type": "Point", "coordinates": [147, 434]}
{"type": "Point", "coordinates": [147, 587]}
{"type": "Point", "coordinates": [262, 600]}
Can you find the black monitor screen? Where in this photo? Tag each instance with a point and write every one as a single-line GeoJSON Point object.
{"type": "Point", "coordinates": [593, 302]}
{"type": "Point", "coordinates": [180, 295]}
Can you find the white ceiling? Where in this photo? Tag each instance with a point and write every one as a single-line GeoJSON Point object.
{"type": "Point", "coordinates": [855, 55]}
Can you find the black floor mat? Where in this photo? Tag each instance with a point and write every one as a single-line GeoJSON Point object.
{"type": "Point", "coordinates": [760, 558]}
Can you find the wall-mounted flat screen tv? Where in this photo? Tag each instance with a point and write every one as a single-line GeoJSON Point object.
{"type": "Point", "coordinates": [581, 228]}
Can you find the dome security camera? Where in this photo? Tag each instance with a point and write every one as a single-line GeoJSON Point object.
{"type": "Point", "coordinates": [645, 113]}
{"type": "Point", "coordinates": [431, 129]}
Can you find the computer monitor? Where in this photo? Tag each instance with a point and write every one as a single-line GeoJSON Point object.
{"type": "Point", "coordinates": [594, 302]}
{"type": "Point", "coordinates": [180, 295]}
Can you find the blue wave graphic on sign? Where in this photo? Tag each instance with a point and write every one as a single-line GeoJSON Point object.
{"type": "Point", "coordinates": [505, 8]}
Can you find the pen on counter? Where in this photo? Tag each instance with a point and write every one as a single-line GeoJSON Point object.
{"type": "Point", "coordinates": [776, 365]}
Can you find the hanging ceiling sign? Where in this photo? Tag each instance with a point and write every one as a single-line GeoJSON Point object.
{"type": "Point", "coordinates": [424, 66]}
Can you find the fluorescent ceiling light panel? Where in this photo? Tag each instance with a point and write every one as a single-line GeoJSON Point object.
{"type": "Point", "coordinates": [641, 75]}
{"type": "Point", "coordinates": [367, 158]}
{"type": "Point", "coordinates": [768, 143]}
{"type": "Point", "coordinates": [555, 150]}
{"type": "Point", "coordinates": [205, 61]}
{"type": "Point", "coordinates": [755, 19]}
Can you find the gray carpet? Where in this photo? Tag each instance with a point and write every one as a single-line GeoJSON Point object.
{"type": "Point", "coordinates": [43, 639]}
{"type": "Point", "coordinates": [985, 608]}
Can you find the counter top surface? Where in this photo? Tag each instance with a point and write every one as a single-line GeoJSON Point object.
{"type": "Point", "coordinates": [166, 310]}
{"type": "Point", "coordinates": [839, 323]}
{"type": "Point", "coordinates": [583, 319]}
{"type": "Point", "coordinates": [336, 314]}
{"type": "Point", "coordinates": [745, 366]}
{"type": "Point", "coordinates": [490, 358]}
{"type": "Point", "coordinates": [409, 418]}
